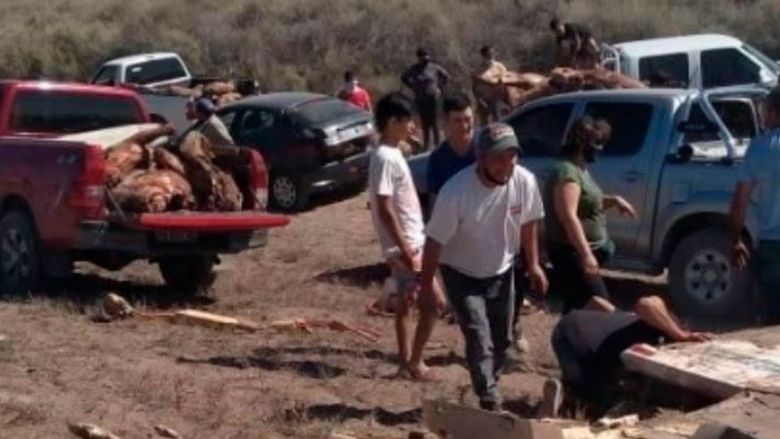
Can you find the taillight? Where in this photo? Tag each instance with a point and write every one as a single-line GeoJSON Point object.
{"type": "Point", "coordinates": [88, 192]}
{"type": "Point", "coordinates": [259, 179]}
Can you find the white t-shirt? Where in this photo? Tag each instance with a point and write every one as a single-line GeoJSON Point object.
{"type": "Point", "coordinates": [389, 175]}
{"type": "Point", "coordinates": [479, 227]}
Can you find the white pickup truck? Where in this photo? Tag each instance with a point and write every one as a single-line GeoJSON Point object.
{"type": "Point", "coordinates": [692, 61]}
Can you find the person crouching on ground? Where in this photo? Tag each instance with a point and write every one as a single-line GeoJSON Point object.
{"type": "Point", "coordinates": [398, 220]}
{"type": "Point", "coordinates": [481, 217]}
{"type": "Point", "coordinates": [588, 344]}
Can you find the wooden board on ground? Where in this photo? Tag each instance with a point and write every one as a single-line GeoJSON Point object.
{"type": "Point", "coordinates": [719, 369]}
{"type": "Point", "coordinates": [207, 319]}
{"type": "Point", "coordinates": [459, 422]}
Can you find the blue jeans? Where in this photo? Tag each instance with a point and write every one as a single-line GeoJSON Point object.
{"type": "Point", "coordinates": [485, 309]}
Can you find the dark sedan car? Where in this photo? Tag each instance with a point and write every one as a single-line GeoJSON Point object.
{"type": "Point", "coordinates": [311, 143]}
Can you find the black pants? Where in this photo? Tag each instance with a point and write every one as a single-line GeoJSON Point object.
{"type": "Point", "coordinates": [485, 311]}
{"type": "Point", "coordinates": [569, 282]}
{"type": "Point", "coordinates": [428, 107]}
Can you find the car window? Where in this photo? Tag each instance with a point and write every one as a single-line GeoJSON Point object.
{"type": "Point", "coordinates": [319, 111]}
{"type": "Point", "coordinates": [157, 70]}
{"type": "Point", "coordinates": [630, 122]}
{"type": "Point", "coordinates": [540, 130]}
{"type": "Point", "coordinates": [723, 67]}
{"type": "Point", "coordinates": [767, 62]}
{"type": "Point", "coordinates": [736, 115]}
{"type": "Point", "coordinates": [47, 112]}
{"type": "Point", "coordinates": [105, 76]}
{"type": "Point", "coordinates": [665, 70]}
{"type": "Point", "coordinates": [254, 124]}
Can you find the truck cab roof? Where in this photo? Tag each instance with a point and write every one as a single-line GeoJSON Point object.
{"type": "Point", "coordinates": [686, 43]}
{"type": "Point", "coordinates": [135, 59]}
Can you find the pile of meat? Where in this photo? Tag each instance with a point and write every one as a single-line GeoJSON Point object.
{"type": "Point", "coordinates": [516, 89]}
{"type": "Point", "coordinates": [220, 92]}
{"type": "Point", "coordinates": [146, 176]}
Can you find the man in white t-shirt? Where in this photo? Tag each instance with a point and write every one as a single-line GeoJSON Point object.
{"type": "Point", "coordinates": [482, 216]}
{"type": "Point", "coordinates": [398, 220]}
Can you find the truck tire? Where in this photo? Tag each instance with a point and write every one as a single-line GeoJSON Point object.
{"type": "Point", "coordinates": [288, 193]}
{"type": "Point", "coordinates": [188, 275]}
{"type": "Point", "coordinates": [20, 257]}
{"type": "Point", "coordinates": [702, 280]}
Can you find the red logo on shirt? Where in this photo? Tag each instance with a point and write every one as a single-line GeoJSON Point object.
{"type": "Point", "coordinates": [515, 210]}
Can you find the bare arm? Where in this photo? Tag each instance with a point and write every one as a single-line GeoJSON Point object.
{"type": "Point", "coordinates": [653, 311]}
{"type": "Point", "coordinates": [430, 262]}
{"type": "Point", "coordinates": [390, 219]}
{"type": "Point", "coordinates": [566, 197]}
{"type": "Point", "coordinates": [740, 254]}
{"type": "Point", "coordinates": [619, 203]}
{"type": "Point", "coordinates": [530, 238]}
{"type": "Point", "coordinates": [738, 210]}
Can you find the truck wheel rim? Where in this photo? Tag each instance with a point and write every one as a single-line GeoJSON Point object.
{"type": "Point", "coordinates": [708, 276]}
{"type": "Point", "coordinates": [284, 192]}
{"type": "Point", "coordinates": [16, 255]}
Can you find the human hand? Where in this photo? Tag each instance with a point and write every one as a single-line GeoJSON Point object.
{"type": "Point", "coordinates": [625, 208]}
{"type": "Point", "coordinates": [740, 255]}
{"type": "Point", "coordinates": [538, 279]}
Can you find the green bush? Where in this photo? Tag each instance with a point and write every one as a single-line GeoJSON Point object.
{"type": "Point", "coordinates": [307, 44]}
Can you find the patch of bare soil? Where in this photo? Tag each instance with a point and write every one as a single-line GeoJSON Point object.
{"type": "Point", "coordinates": [58, 366]}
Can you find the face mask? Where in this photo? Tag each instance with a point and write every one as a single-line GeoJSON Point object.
{"type": "Point", "coordinates": [592, 152]}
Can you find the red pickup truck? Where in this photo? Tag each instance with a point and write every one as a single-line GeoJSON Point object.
{"type": "Point", "coordinates": [53, 204]}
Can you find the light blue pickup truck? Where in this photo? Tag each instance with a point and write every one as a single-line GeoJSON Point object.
{"type": "Point", "coordinates": [674, 154]}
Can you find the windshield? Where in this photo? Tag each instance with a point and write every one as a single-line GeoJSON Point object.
{"type": "Point", "coordinates": [157, 70]}
{"type": "Point", "coordinates": [321, 111]}
{"type": "Point", "coordinates": [763, 59]}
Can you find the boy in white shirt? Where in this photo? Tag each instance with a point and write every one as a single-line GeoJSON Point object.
{"type": "Point", "coordinates": [398, 220]}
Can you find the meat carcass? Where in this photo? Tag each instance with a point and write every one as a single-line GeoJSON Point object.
{"type": "Point", "coordinates": [154, 191]}
{"type": "Point", "coordinates": [565, 79]}
{"type": "Point", "coordinates": [132, 153]}
{"type": "Point", "coordinates": [215, 188]}
{"type": "Point", "coordinates": [491, 95]}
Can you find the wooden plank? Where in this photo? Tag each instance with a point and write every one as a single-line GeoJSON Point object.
{"type": "Point", "coordinates": [460, 422]}
{"type": "Point", "coordinates": [719, 369]}
{"type": "Point", "coordinates": [210, 320]}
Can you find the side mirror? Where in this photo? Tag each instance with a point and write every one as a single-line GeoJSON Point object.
{"type": "Point", "coordinates": [685, 153]}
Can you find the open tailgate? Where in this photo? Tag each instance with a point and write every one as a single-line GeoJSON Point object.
{"type": "Point", "coordinates": [207, 222]}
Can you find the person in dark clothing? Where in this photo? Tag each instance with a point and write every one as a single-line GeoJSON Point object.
{"type": "Point", "coordinates": [575, 44]}
{"type": "Point", "coordinates": [427, 79]}
{"type": "Point", "coordinates": [457, 150]}
{"type": "Point", "coordinates": [588, 344]}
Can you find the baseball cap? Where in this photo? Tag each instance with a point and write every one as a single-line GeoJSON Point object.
{"type": "Point", "coordinates": [205, 106]}
{"type": "Point", "coordinates": [497, 137]}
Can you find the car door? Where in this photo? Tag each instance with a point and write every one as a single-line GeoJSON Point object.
{"type": "Point", "coordinates": [623, 168]}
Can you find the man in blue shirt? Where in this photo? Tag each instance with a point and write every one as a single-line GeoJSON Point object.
{"type": "Point", "coordinates": [456, 152]}
{"type": "Point", "coordinates": [760, 174]}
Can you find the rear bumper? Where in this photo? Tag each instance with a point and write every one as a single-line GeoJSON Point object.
{"type": "Point", "coordinates": [335, 175]}
{"type": "Point", "coordinates": [100, 236]}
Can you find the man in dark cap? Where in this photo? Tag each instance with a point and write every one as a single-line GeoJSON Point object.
{"type": "Point", "coordinates": [575, 44]}
{"type": "Point", "coordinates": [481, 217]}
{"type": "Point", "coordinates": [202, 111]}
{"type": "Point", "coordinates": [427, 79]}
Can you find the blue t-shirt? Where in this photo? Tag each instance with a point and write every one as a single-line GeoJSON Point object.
{"type": "Point", "coordinates": [443, 163]}
{"type": "Point", "coordinates": [762, 168]}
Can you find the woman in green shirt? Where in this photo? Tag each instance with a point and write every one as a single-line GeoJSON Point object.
{"type": "Point", "coordinates": [576, 226]}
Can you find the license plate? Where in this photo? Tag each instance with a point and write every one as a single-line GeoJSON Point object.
{"type": "Point", "coordinates": [175, 236]}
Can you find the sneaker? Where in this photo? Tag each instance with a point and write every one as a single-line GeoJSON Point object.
{"type": "Point", "coordinates": [552, 398]}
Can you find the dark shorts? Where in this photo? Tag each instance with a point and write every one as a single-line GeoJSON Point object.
{"type": "Point", "coordinates": [569, 284]}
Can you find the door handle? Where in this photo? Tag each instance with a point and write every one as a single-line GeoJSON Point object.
{"type": "Point", "coordinates": [632, 176]}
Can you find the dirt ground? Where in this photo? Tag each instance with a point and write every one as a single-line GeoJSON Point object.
{"type": "Point", "coordinates": [56, 365]}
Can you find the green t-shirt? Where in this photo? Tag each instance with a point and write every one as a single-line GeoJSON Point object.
{"type": "Point", "coordinates": [590, 209]}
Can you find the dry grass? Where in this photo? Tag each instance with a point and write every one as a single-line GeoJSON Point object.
{"type": "Point", "coordinates": [307, 44]}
